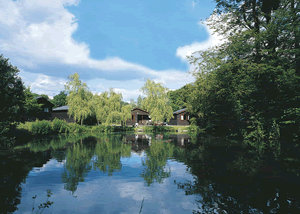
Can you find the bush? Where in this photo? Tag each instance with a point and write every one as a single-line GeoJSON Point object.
{"type": "Point", "coordinates": [193, 128]}
{"type": "Point", "coordinates": [59, 126]}
{"type": "Point", "coordinates": [41, 127]}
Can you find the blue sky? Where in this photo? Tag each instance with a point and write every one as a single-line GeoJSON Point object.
{"type": "Point", "coordinates": [113, 44]}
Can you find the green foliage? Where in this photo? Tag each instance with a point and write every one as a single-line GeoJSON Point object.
{"type": "Point", "coordinates": [139, 101]}
{"type": "Point", "coordinates": [57, 126]}
{"type": "Point", "coordinates": [60, 99]}
{"type": "Point", "coordinates": [11, 95]}
{"type": "Point", "coordinates": [42, 127]}
{"type": "Point", "coordinates": [109, 108]}
{"type": "Point", "coordinates": [180, 98]}
{"type": "Point", "coordinates": [78, 99]}
{"type": "Point", "coordinates": [156, 162]}
{"type": "Point", "coordinates": [31, 106]}
{"type": "Point", "coordinates": [250, 82]}
{"type": "Point", "coordinates": [157, 101]}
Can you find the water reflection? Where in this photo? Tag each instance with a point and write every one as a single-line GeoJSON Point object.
{"type": "Point", "coordinates": [108, 153]}
{"type": "Point", "coordinates": [228, 176]}
{"type": "Point", "coordinates": [236, 180]}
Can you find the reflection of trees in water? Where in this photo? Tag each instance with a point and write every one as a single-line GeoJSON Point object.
{"type": "Point", "coordinates": [155, 162]}
{"type": "Point", "coordinates": [232, 180]}
{"type": "Point", "coordinates": [83, 157]}
{"type": "Point", "coordinates": [108, 153]}
{"type": "Point", "coordinates": [77, 166]}
{"type": "Point", "coordinates": [14, 170]}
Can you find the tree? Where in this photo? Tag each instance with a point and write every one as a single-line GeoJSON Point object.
{"type": "Point", "coordinates": [132, 103]}
{"type": "Point", "coordinates": [117, 111]}
{"type": "Point", "coordinates": [109, 108]}
{"type": "Point", "coordinates": [31, 106]}
{"type": "Point", "coordinates": [139, 101]}
{"type": "Point", "coordinates": [99, 107]}
{"type": "Point", "coordinates": [60, 99]}
{"type": "Point", "coordinates": [11, 95]}
{"type": "Point", "coordinates": [156, 101]}
{"type": "Point", "coordinates": [255, 72]}
{"type": "Point", "coordinates": [78, 99]}
{"type": "Point", "coordinates": [180, 98]}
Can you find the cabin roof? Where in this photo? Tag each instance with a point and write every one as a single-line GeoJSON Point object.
{"type": "Point", "coordinates": [61, 108]}
{"type": "Point", "coordinates": [43, 100]}
{"type": "Point", "coordinates": [137, 108]}
{"type": "Point", "coordinates": [179, 111]}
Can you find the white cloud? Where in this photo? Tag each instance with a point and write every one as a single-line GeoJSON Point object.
{"type": "Point", "coordinates": [39, 33]}
{"type": "Point", "coordinates": [188, 50]}
{"type": "Point", "coordinates": [135, 190]}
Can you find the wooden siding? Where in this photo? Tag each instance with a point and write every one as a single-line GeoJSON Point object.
{"type": "Point", "coordinates": [177, 119]}
{"type": "Point", "coordinates": [62, 115]}
{"type": "Point", "coordinates": [138, 116]}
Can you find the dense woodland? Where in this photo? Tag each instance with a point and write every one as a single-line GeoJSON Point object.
{"type": "Point", "coordinates": [248, 86]}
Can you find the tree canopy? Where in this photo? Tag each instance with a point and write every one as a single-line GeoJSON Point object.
{"type": "Point", "coordinates": [60, 99]}
{"type": "Point", "coordinates": [78, 99]}
{"type": "Point", "coordinates": [156, 101]}
{"type": "Point", "coordinates": [11, 95]}
{"type": "Point", "coordinates": [254, 75]}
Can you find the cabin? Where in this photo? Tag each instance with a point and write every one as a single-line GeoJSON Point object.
{"type": "Point", "coordinates": [62, 113]}
{"type": "Point", "coordinates": [45, 112]}
{"type": "Point", "coordinates": [181, 118]}
{"type": "Point", "coordinates": [140, 116]}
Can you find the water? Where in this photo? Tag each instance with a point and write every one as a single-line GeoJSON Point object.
{"type": "Point", "coordinates": [126, 173]}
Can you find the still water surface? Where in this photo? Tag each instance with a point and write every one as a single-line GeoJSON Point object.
{"type": "Point", "coordinates": [119, 173]}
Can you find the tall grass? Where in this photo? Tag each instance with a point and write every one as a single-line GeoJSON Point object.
{"type": "Point", "coordinates": [57, 126]}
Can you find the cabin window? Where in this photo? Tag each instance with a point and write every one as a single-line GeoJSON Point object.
{"type": "Point", "coordinates": [132, 116]}
{"type": "Point", "coordinates": [46, 109]}
{"type": "Point", "coordinates": [188, 117]}
{"type": "Point", "coordinates": [181, 117]}
{"type": "Point", "coordinates": [184, 117]}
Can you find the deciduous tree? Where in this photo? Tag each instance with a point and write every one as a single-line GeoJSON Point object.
{"type": "Point", "coordinates": [78, 99]}
{"type": "Point", "coordinates": [156, 101]}
{"type": "Point", "coordinates": [11, 95]}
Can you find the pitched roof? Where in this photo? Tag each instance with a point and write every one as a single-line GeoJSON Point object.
{"type": "Point", "coordinates": [139, 109]}
{"type": "Point", "coordinates": [61, 108]}
{"type": "Point", "coordinates": [179, 111]}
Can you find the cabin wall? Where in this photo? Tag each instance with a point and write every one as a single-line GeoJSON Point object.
{"type": "Point", "coordinates": [177, 120]}
{"type": "Point", "coordinates": [135, 114]}
{"type": "Point", "coordinates": [62, 115]}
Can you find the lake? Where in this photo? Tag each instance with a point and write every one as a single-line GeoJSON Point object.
{"type": "Point", "coordinates": [147, 173]}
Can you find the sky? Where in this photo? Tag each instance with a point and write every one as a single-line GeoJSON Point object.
{"type": "Point", "coordinates": [110, 44]}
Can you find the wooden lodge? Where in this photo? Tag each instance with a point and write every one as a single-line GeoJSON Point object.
{"type": "Point", "coordinates": [45, 111]}
{"type": "Point", "coordinates": [62, 113]}
{"type": "Point", "coordinates": [181, 118]}
{"type": "Point", "coordinates": [138, 116]}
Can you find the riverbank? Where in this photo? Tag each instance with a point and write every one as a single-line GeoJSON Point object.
{"type": "Point", "coordinates": [58, 126]}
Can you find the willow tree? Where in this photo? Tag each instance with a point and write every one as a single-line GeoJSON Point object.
{"type": "Point", "coordinates": [99, 107]}
{"type": "Point", "coordinates": [78, 99]}
{"type": "Point", "coordinates": [156, 101]}
{"type": "Point", "coordinates": [109, 108]}
{"type": "Point", "coordinates": [117, 111]}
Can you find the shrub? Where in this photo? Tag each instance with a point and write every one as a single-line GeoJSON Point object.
{"type": "Point", "coordinates": [193, 128]}
{"type": "Point", "coordinates": [59, 126]}
{"type": "Point", "coordinates": [41, 127]}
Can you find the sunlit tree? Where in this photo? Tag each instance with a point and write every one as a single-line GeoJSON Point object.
{"type": "Point", "coordinates": [78, 99]}
{"type": "Point", "coordinates": [156, 101]}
